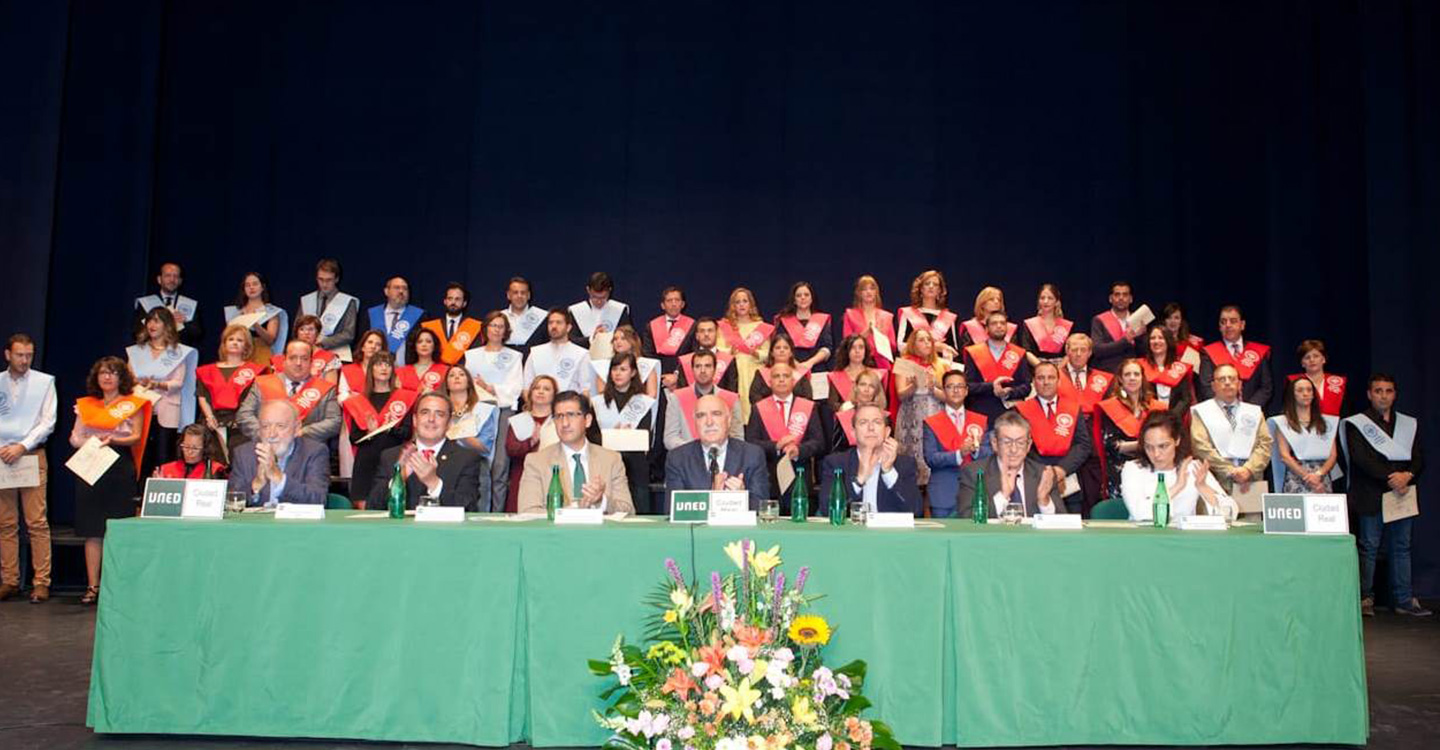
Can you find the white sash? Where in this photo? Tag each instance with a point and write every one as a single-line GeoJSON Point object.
{"type": "Point", "coordinates": [588, 317]}
{"type": "Point", "coordinates": [17, 418]}
{"type": "Point", "coordinates": [523, 326]}
{"type": "Point", "coordinates": [1232, 444]}
{"type": "Point", "coordinates": [568, 366]}
{"type": "Point", "coordinates": [144, 366]}
{"type": "Point", "coordinates": [645, 366]}
{"type": "Point", "coordinates": [500, 369]}
{"type": "Point", "coordinates": [334, 310]}
{"type": "Point", "coordinates": [1304, 446]}
{"type": "Point", "coordinates": [1395, 448]}
{"type": "Point", "coordinates": [635, 410]}
{"type": "Point", "coordinates": [523, 425]}
{"type": "Point", "coordinates": [281, 336]}
{"type": "Point", "coordinates": [183, 305]}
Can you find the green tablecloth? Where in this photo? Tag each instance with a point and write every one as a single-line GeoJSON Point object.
{"type": "Point", "coordinates": [368, 628]}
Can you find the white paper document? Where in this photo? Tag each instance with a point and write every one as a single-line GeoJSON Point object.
{"type": "Point", "coordinates": [92, 460]}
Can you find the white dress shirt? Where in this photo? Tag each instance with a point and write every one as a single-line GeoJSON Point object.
{"type": "Point", "coordinates": [1137, 487]}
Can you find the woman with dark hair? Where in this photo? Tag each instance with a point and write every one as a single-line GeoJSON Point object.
{"type": "Point", "coordinates": [782, 350]}
{"type": "Point", "coordinates": [425, 371]}
{"type": "Point", "coordinates": [163, 365]}
{"type": "Point", "coordinates": [1329, 386]}
{"type": "Point", "coordinates": [1187, 344]}
{"type": "Point", "coordinates": [1165, 453]}
{"type": "Point", "coordinates": [352, 375]}
{"type": "Point", "coordinates": [272, 329]}
{"type": "Point", "coordinates": [855, 359]}
{"type": "Point", "coordinates": [1043, 335]}
{"type": "Point", "coordinates": [111, 413]}
{"type": "Point", "coordinates": [200, 456]}
{"type": "Point", "coordinates": [1172, 379]}
{"type": "Point", "coordinates": [496, 368]}
{"type": "Point", "coordinates": [928, 308]}
{"type": "Point", "coordinates": [307, 328]}
{"type": "Point", "coordinates": [379, 404]}
{"type": "Point", "coordinates": [809, 329]}
{"type": "Point", "coordinates": [1305, 449]}
{"type": "Point", "coordinates": [623, 405]}
{"type": "Point", "coordinates": [627, 341]}
{"type": "Point", "coordinates": [1118, 419]}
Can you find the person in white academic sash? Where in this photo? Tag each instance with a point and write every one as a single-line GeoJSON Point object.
{"type": "Point", "coordinates": [1226, 433]}
{"type": "Point", "coordinates": [495, 367]}
{"type": "Point", "coordinates": [1306, 448]}
{"type": "Point", "coordinates": [528, 428]}
{"type": "Point", "coordinates": [28, 407]}
{"type": "Point", "coordinates": [396, 317]}
{"type": "Point", "coordinates": [166, 368]}
{"type": "Point", "coordinates": [527, 322]}
{"type": "Point", "coordinates": [624, 405]}
{"type": "Point", "coordinates": [627, 341]}
{"type": "Point", "coordinates": [271, 330]}
{"type": "Point", "coordinates": [475, 424]}
{"type": "Point", "coordinates": [336, 310]}
{"type": "Point", "coordinates": [560, 358]}
{"type": "Point", "coordinates": [1192, 488]}
{"type": "Point", "coordinates": [185, 309]}
{"type": "Point", "coordinates": [598, 312]}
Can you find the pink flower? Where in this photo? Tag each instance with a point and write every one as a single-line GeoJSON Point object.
{"type": "Point", "coordinates": [824, 743]}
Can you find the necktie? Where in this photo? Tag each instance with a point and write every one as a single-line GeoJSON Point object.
{"type": "Point", "coordinates": [450, 329]}
{"type": "Point", "coordinates": [1230, 415]}
{"type": "Point", "coordinates": [1016, 497]}
{"type": "Point", "coordinates": [959, 422]}
{"type": "Point", "coordinates": [714, 462]}
{"type": "Point", "coordinates": [579, 475]}
{"type": "Point", "coordinates": [1235, 349]}
{"type": "Point", "coordinates": [781, 403]}
{"type": "Point", "coordinates": [170, 302]}
{"type": "Point", "coordinates": [1079, 378]}
{"type": "Point", "coordinates": [428, 453]}
{"type": "Point", "coordinates": [294, 386]}
{"type": "Point", "coordinates": [394, 316]}
{"type": "Point", "coordinates": [669, 324]}
{"type": "Point", "coordinates": [1049, 412]}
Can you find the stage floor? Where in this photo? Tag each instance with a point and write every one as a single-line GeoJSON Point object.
{"type": "Point", "coordinates": [45, 671]}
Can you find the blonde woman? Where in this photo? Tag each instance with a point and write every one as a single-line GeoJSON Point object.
{"type": "Point", "coordinates": [745, 336]}
{"type": "Point", "coordinates": [989, 300]}
{"type": "Point", "coordinates": [867, 317]}
{"type": "Point", "coordinates": [918, 375]}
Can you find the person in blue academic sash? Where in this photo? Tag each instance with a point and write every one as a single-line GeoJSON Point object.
{"type": "Point", "coordinates": [475, 424]}
{"type": "Point", "coordinates": [28, 407]}
{"type": "Point", "coordinates": [598, 312]}
{"type": "Point", "coordinates": [396, 317]}
{"type": "Point", "coordinates": [1305, 449]}
{"type": "Point", "coordinates": [270, 331]}
{"type": "Point", "coordinates": [336, 310]}
{"type": "Point", "coordinates": [184, 309]}
{"type": "Point", "coordinates": [166, 368]}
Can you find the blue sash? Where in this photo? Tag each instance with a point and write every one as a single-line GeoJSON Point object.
{"type": "Point", "coordinates": [281, 336]}
{"type": "Point", "coordinates": [159, 369]}
{"type": "Point", "coordinates": [16, 418]}
{"type": "Point", "coordinates": [395, 338]}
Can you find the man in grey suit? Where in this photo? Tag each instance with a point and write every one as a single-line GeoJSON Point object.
{"type": "Point", "coordinates": [1011, 475]}
{"type": "Point", "coordinates": [280, 466]}
{"type": "Point", "coordinates": [716, 461]}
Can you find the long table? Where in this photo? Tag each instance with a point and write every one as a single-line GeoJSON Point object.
{"type": "Point", "coordinates": [378, 629]}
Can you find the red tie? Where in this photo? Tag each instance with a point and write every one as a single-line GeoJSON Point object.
{"type": "Point", "coordinates": [1049, 412]}
{"type": "Point", "coordinates": [428, 453]}
{"type": "Point", "coordinates": [780, 403]}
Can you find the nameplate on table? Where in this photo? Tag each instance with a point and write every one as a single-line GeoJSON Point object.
{"type": "Point", "coordinates": [579, 516]}
{"type": "Point", "coordinates": [1059, 521]}
{"type": "Point", "coordinates": [1286, 513]}
{"type": "Point", "coordinates": [183, 498]}
{"type": "Point", "coordinates": [890, 520]}
{"type": "Point", "coordinates": [1202, 523]}
{"type": "Point", "coordinates": [732, 518]}
{"type": "Point", "coordinates": [440, 514]}
{"type": "Point", "coordinates": [300, 511]}
{"type": "Point", "coordinates": [701, 506]}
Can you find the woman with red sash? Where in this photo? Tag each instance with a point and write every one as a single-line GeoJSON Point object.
{"type": "Point", "coordinates": [808, 328]}
{"type": "Point", "coordinates": [526, 428]}
{"type": "Point", "coordinates": [858, 359]}
{"type": "Point", "coordinates": [379, 404]}
{"type": "Point", "coordinates": [1329, 386]}
{"type": "Point", "coordinates": [867, 389]}
{"type": "Point", "coordinates": [220, 385]}
{"type": "Point", "coordinates": [113, 415]}
{"type": "Point", "coordinates": [200, 456]}
{"type": "Point", "coordinates": [744, 335]}
{"type": "Point", "coordinates": [989, 300]}
{"type": "Point", "coordinates": [425, 371]}
{"type": "Point", "coordinates": [1118, 419]}
{"type": "Point", "coordinates": [917, 377]}
{"type": "Point", "coordinates": [867, 317]}
{"type": "Point", "coordinates": [780, 350]}
{"type": "Point", "coordinates": [352, 375]}
{"type": "Point", "coordinates": [307, 328]}
{"type": "Point", "coordinates": [928, 298]}
{"type": "Point", "coordinates": [1172, 379]}
{"type": "Point", "coordinates": [1043, 336]}
{"type": "Point", "coordinates": [1187, 344]}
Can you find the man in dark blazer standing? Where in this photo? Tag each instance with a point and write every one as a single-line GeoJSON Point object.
{"type": "Point", "coordinates": [1011, 475]}
{"type": "Point", "coordinates": [874, 470]}
{"type": "Point", "coordinates": [435, 469]}
{"type": "Point", "coordinates": [714, 460]}
{"type": "Point", "coordinates": [280, 466]}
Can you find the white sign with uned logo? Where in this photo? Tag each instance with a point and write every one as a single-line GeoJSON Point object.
{"type": "Point", "coordinates": [1305, 514]}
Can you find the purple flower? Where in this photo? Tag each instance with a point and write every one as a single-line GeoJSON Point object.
{"type": "Point", "coordinates": [800, 579]}
{"type": "Point", "coordinates": [779, 593]}
{"type": "Point", "coordinates": [674, 571]}
{"type": "Point", "coordinates": [715, 590]}
{"type": "Point", "coordinates": [745, 569]}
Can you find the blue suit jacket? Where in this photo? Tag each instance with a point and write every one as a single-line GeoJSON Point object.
{"type": "Point", "coordinates": [904, 497]}
{"type": "Point", "coordinates": [944, 484]}
{"type": "Point", "coordinates": [685, 469]}
{"type": "Point", "coordinates": [307, 474]}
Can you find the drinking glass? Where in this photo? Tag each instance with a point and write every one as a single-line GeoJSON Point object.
{"type": "Point", "coordinates": [769, 511]}
{"type": "Point", "coordinates": [235, 502]}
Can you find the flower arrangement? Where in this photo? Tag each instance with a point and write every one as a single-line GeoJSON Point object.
{"type": "Point", "coordinates": [737, 667]}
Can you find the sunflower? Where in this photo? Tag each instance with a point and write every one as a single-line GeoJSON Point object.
{"type": "Point", "coordinates": [810, 630]}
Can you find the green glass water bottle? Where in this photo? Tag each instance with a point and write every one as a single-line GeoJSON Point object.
{"type": "Point", "coordinates": [1161, 507]}
{"type": "Point", "coordinates": [799, 497]}
{"type": "Point", "coordinates": [555, 496]}
{"type": "Point", "coordinates": [838, 497]}
{"type": "Point", "coordinates": [397, 493]}
{"type": "Point", "coordinates": [979, 510]}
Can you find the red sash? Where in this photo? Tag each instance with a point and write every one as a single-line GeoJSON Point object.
{"type": "Point", "coordinates": [722, 361]}
{"type": "Point", "coordinates": [451, 352]}
{"type": "Point", "coordinates": [354, 375]}
{"type": "Point", "coordinates": [176, 470]}
{"type": "Point", "coordinates": [846, 419]}
{"type": "Point", "coordinates": [94, 413]}
{"type": "Point", "coordinates": [363, 416]}
{"type": "Point", "coordinates": [944, 321]}
{"type": "Point", "coordinates": [745, 344]}
{"type": "Point", "coordinates": [306, 398]}
{"type": "Point", "coordinates": [318, 363]}
{"type": "Point", "coordinates": [808, 335]}
{"type": "Point", "coordinates": [989, 368]}
{"type": "Point", "coordinates": [1194, 342]}
{"type": "Point", "coordinates": [1171, 377]}
{"type": "Point", "coordinates": [1113, 324]}
{"type": "Point", "coordinates": [950, 438]}
{"type": "Point", "coordinates": [977, 331]}
{"type": "Point", "coordinates": [842, 383]}
{"type": "Point", "coordinates": [687, 398]}
{"type": "Point", "coordinates": [1332, 396]}
{"type": "Point", "coordinates": [1250, 357]}
{"type": "Point", "coordinates": [884, 321]}
{"type": "Point", "coordinates": [433, 379]}
{"type": "Point", "coordinates": [225, 392]}
{"type": "Point", "coordinates": [1096, 383]}
{"type": "Point", "coordinates": [764, 373]}
{"type": "Point", "coordinates": [1123, 418]}
{"type": "Point", "coordinates": [668, 341]}
{"type": "Point", "coordinates": [1054, 343]}
{"type": "Point", "coordinates": [1051, 438]}
{"type": "Point", "coordinates": [775, 425]}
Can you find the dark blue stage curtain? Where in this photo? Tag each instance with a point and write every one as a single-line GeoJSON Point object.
{"type": "Point", "coordinates": [1282, 155]}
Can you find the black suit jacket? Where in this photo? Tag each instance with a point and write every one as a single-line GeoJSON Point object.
{"type": "Point", "coordinates": [982, 396]}
{"type": "Point", "coordinates": [904, 497]}
{"type": "Point", "coordinates": [1369, 470]}
{"type": "Point", "coordinates": [1257, 390]}
{"type": "Point", "coordinates": [1108, 353]}
{"type": "Point", "coordinates": [812, 444]}
{"type": "Point", "coordinates": [991, 467]}
{"type": "Point", "coordinates": [459, 470]}
{"type": "Point", "coordinates": [685, 469]}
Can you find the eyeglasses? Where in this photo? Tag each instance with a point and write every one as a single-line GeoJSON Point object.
{"type": "Point", "coordinates": [567, 416]}
{"type": "Point", "coordinates": [1011, 444]}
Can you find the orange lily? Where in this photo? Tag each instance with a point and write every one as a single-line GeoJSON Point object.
{"type": "Point", "coordinates": [680, 684]}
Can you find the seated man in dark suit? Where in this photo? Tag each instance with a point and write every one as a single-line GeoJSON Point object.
{"type": "Point", "coordinates": [714, 460]}
{"type": "Point", "coordinates": [787, 428]}
{"type": "Point", "coordinates": [875, 471]}
{"type": "Point", "coordinates": [280, 466]}
{"type": "Point", "coordinates": [1012, 474]}
{"type": "Point", "coordinates": [436, 470]}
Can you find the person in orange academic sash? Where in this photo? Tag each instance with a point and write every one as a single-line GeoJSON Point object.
{"type": "Point", "coordinates": [808, 328]}
{"type": "Point", "coordinates": [220, 385]}
{"type": "Point", "coordinates": [424, 373]}
{"type": "Point", "coordinates": [1249, 358]}
{"type": "Point", "coordinates": [1118, 419]}
{"type": "Point", "coordinates": [867, 317]}
{"type": "Point", "coordinates": [954, 436]}
{"type": "Point", "coordinates": [380, 403]}
{"type": "Point", "coordinates": [456, 331]}
{"type": "Point", "coordinates": [307, 328]}
{"type": "Point", "coordinates": [201, 456]}
{"type": "Point", "coordinates": [927, 309]}
{"type": "Point", "coordinates": [995, 369]}
{"type": "Point", "coordinates": [1060, 433]}
{"type": "Point", "coordinates": [1187, 344]}
{"type": "Point", "coordinates": [1329, 386]}
{"type": "Point", "coordinates": [1043, 335]}
{"type": "Point", "coordinates": [1172, 379]}
{"type": "Point", "coordinates": [352, 375]}
{"type": "Point", "coordinates": [989, 300]}
{"type": "Point", "coordinates": [314, 398]}
{"type": "Point", "coordinates": [1080, 381]}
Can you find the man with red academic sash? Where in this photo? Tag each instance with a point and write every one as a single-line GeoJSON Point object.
{"type": "Point", "coordinates": [680, 411]}
{"type": "Point", "coordinates": [995, 370]}
{"type": "Point", "coordinates": [669, 335]}
{"type": "Point", "coordinates": [313, 397]}
{"type": "Point", "coordinates": [786, 428]}
{"type": "Point", "coordinates": [952, 437]}
{"type": "Point", "coordinates": [707, 333]}
{"type": "Point", "coordinates": [456, 330]}
{"type": "Point", "coordinates": [1114, 338]}
{"type": "Point", "coordinates": [1060, 433]}
{"type": "Point", "coordinates": [1083, 383]}
{"type": "Point", "coordinates": [1250, 360]}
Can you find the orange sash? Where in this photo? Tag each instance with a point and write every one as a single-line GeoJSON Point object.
{"type": "Point", "coordinates": [1096, 383]}
{"type": "Point", "coordinates": [776, 426]}
{"type": "Point", "coordinates": [1172, 376]}
{"type": "Point", "coordinates": [1332, 396]}
{"type": "Point", "coordinates": [433, 379]}
{"type": "Point", "coordinates": [94, 413]}
{"type": "Point", "coordinates": [363, 416]}
{"type": "Point", "coordinates": [354, 375]}
{"type": "Point", "coordinates": [722, 361]}
{"type": "Point", "coordinates": [949, 437]}
{"type": "Point", "coordinates": [1051, 438]}
{"type": "Point", "coordinates": [745, 344]}
{"type": "Point", "coordinates": [306, 398]}
{"type": "Point", "coordinates": [1054, 342]}
{"type": "Point", "coordinates": [808, 335]}
{"type": "Point", "coordinates": [225, 392]}
{"type": "Point", "coordinates": [989, 368]}
{"type": "Point", "coordinates": [452, 351]}
{"type": "Point", "coordinates": [1250, 357]}
{"type": "Point", "coordinates": [318, 363]}
{"type": "Point", "coordinates": [668, 341]}
{"type": "Point", "coordinates": [977, 330]}
{"type": "Point", "coordinates": [687, 398]}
